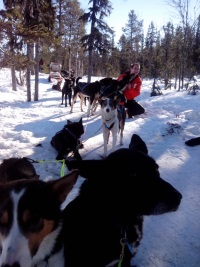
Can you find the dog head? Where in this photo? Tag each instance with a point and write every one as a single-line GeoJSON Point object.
{"type": "Point", "coordinates": [112, 91]}
{"type": "Point", "coordinates": [31, 220]}
{"type": "Point", "coordinates": [108, 104]}
{"type": "Point", "coordinates": [64, 73]}
{"type": "Point", "coordinates": [76, 128]}
{"type": "Point", "coordinates": [17, 168]}
{"type": "Point", "coordinates": [134, 176]}
{"type": "Point", "coordinates": [140, 183]}
{"type": "Point", "coordinates": [112, 87]}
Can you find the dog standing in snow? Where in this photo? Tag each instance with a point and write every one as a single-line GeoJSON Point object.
{"type": "Point", "coordinates": [113, 118]}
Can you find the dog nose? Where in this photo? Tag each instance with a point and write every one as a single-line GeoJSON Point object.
{"type": "Point", "coordinates": [107, 110]}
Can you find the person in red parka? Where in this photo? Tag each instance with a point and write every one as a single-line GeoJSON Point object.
{"type": "Point", "coordinates": [132, 90]}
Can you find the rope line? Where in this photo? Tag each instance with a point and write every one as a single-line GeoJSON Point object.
{"type": "Point", "coordinates": [62, 171]}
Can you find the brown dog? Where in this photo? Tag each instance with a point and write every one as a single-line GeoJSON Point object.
{"type": "Point", "coordinates": [16, 168]}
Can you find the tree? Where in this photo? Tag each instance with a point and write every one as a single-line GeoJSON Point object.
{"type": "Point", "coordinates": [29, 22]}
{"type": "Point", "coordinates": [70, 29]}
{"type": "Point", "coordinates": [98, 39]}
{"type": "Point", "coordinates": [134, 34]}
{"type": "Point", "coordinates": [196, 54]}
{"type": "Point", "coordinates": [38, 18]}
{"type": "Point", "coordinates": [150, 51]}
{"type": "Point", "coordinates": [183, 8]}
{"type": "Point", "coordinates": [9, 21]}
{"type": "Point", "coordinates": [168, 52]}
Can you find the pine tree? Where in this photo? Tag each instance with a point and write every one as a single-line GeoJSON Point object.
{"type": "Point", "coordinates": [98, 40]}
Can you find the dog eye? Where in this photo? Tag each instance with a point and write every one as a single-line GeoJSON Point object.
{"type": "Point", "coordinates": [4, 218]}
{"type": "Point", "coordinates": [31, 220]}
{"type": "Point", "coordinates": [5, 221]}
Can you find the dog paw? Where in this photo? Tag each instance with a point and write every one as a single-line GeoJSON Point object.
{"type": "Point", "coordinates": [81, 146]}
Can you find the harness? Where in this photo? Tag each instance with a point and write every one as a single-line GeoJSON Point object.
{"type": "Point", "coordinates": [128, 247]}
{"type": "Point", "coordinates": [71, 133]}
{"type": "Point", "coordinates": [109, 127]}
{"type": "Point", "coordinates": [124, 244]}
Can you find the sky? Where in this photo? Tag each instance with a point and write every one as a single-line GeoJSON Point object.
{"type": "Point", "coordinates": [158, 11]}
{"type": "Point", "coordinates": [26, 129]}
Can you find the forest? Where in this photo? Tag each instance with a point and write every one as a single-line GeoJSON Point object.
{"type": "Point", "coordinates": [55, 31]}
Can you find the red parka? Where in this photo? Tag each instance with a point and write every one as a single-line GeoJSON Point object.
{"type": "Point", "coordinates": [132, 88]}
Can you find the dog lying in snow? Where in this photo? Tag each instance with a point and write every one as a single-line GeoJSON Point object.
{"type": "Point", "coordinates": [67, 140]}
{"type": "Point", "coordinates": [101, 227]}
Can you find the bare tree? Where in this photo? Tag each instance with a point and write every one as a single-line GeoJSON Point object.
{"type": "Point", "coordinates": [183, 7]}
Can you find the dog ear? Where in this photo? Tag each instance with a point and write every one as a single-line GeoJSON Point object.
{"type": "Point", "coordinates": [62, 187]}
{"type": "Point", "coordinates": [138, 144]}
{"type": "Point", "coordinates": [101, 100]}
{"type": "Point", "coordinates": [68, 121]}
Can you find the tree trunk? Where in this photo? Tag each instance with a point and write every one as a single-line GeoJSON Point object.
{"type": "Point", "coordinates": [28, 84]}
{"type": "Point", "coordinates": [14, 83]}
{"type": "Point", "coordinates": [36, 95]}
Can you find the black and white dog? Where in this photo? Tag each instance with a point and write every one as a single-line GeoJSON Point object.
{"type": "Point", "coordinates": [101, 227]}
{"type": "Point", "coordinates": [67, 91]}
{"type": "Point", "coordinates": [113, 118]}
{"type": "Point", "coordinates": [68, 86]}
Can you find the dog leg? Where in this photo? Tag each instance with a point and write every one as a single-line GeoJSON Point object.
{"type": "Point", "coordinates": [94, 106]}
{"type": "Point", "coordinates": [121, 113]}
{"type": "Point", "coordinates": [77, 155]}
{"type": "Point", "coordinates": [114, 141]}
{"type": "Point", "coordinates": [81, 102]}
{"type": "Point", "coordinates": [65, 100]}
{"type": "Point", "coordinates": [121, 134]}
{"type": "Point", "coordinates": [106, 134]}
{"type": "Point", "coordinates": [73, 101]}
{"type": "Point", "coordinates": [70, 99]}
{"type": "Point", "coordinates": [62, 99]}
{"type": "Point", "coordinates": [121, 137]}
{"type": "Point", "coordinates": [89, 106]}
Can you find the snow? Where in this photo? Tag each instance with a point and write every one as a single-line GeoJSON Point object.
{"type": "Point", "coordinates": [169, 240]}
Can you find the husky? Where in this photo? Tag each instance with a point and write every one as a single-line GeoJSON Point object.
{"type": "Point", "coordinates": [113, 118]}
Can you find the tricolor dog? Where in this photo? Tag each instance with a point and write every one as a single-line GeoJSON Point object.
{"type": "Point", "coordinates": [31, 223]}
{"type": "Point", "coordinates": [100, 227]}
{"type": "Point", "coordinates": [113, 118]}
